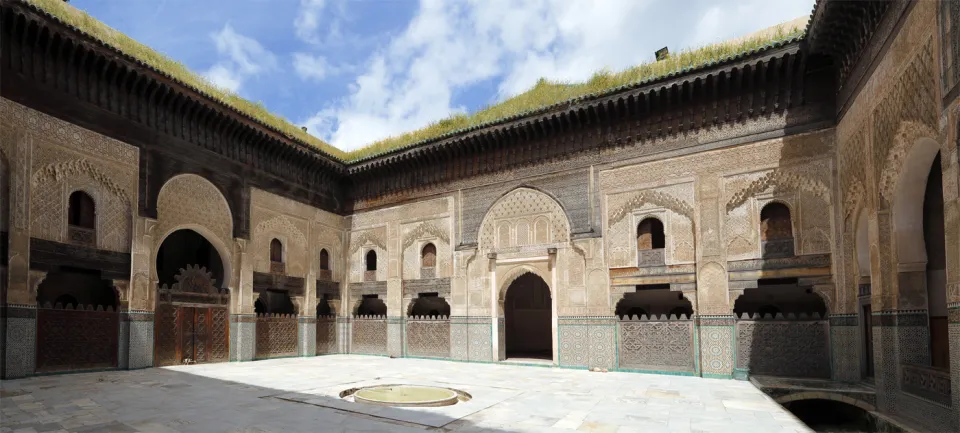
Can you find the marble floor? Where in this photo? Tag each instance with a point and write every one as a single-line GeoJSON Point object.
{"type": "Point", "coordinates": [302, 394]}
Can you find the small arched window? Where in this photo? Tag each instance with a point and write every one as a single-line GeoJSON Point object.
{"type": "Point", "coordinates": [324, 260]}
{"type": "Point", "coordinates": [81, 212]}
{"type": "Point", "coordinates": [775, 222]}
{"type": "Point", "coordinates": [428, 256]}
{"type": "Point", "coordinates": [371, 260]}
{"type": "Point", "coordinates": [650, 234]}
{"type": "Point", "coordinates": [276, 251]}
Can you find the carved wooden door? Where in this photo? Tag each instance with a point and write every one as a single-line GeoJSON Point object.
{"type": "Point", "coordinates": [191, 335]}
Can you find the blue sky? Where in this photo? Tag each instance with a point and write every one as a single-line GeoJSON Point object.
{"type": "Point", "coordinates": [355, 71]}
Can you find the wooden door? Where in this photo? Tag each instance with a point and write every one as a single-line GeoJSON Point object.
{"type": "Point", "coordinates": [192, 335]}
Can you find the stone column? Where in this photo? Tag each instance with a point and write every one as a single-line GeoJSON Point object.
{"type": "Point", "coordinates": [137, 319]}
{"type": "Point", "coordinates": [554, 318]}
{"type": "Point", "coordinates": [243, 321]}
{"type": "Point", "coordinates": [20, 313]}
{"type": "Point", "coordinates": [715, 322]}
{"type": "Point", "coordinates": [395, 311]}
{"type": "Point", "coordinates": [886, 354]}
{"type": "Point", "coordinates": [307, 322]}
{"type": "Point", "coordinates": [496, 311]}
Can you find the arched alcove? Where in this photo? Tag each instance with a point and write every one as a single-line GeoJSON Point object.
{"type": "Point", "coordinates": [428, 256]}
{"type": "Point", "coordinates": [323, 306]}
{"type": "Point", "coordinates": [653, 300]}
{"type": "Point", "coordinates": [187, 247]}
{"type": "Point", "coordinates": [527, 318]}
{"type": "Point", "coordinates": [934, 238]}
{"type": "Point", "coordinates": [371, 305]}
{"type": "Point", "coordinates": [275, 302]}
{"type": "Point", "coordinates": [650, 235]}
{"type": "Point", "coordinates": [77, 286]}
{"type": "Point", "coordinates": [429, 304]}
{"type": "Point", "coordinates": [276, 251]}
{"type": "Point", "coordinates": [371, 260]}
{"type": "Point", "coordinates": [779, 296]}
{"type": "Point", "coordinates": [81, 211]}
{"type": "Point", "coordinates": [776, 231]}
{"type": "Point", "coordinates": [324, 260]}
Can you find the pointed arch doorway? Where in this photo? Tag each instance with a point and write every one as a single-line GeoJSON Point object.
{"type": "Point", "coordinates": [528, 319]}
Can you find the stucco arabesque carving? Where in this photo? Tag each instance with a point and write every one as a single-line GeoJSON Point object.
{"type": "Point", "coordinates": [424, 228]}
{"type": "Point", "coordinates": [653, 197]}
{"type": "Point", "coordinates": [784, 179]}
{"type": "Point", "coordinates": [852, 200]}
{"type": "Point", "coordinates": [907, 135]}
{"type": "Point", "coordinates": [61, 170]}
{"type": "Point", "coordinates": [367, 236]}
{"type": "Point", "coordinates": [281, 224]}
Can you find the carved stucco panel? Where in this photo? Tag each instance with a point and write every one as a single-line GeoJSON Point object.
{"type": "Point", "coordinates": [290, 232]}
{"type": "Point", "coordinates": [190, 201]}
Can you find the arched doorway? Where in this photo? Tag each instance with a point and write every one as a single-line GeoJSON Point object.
{"type": "Point", "coordinates": [192, 305]}
{"type": "Point", "coordinates": [527, 311]}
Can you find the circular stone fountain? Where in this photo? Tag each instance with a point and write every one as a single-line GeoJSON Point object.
{"type": "Point", "coordinates": [406, 395]}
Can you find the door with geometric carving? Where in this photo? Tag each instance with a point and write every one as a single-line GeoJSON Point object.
{"type": "Point", "coordinates": [191, 334]}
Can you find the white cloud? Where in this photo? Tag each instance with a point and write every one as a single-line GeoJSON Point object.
{"type": "Point", "coordinates": [310, 67]}
{"type": "Point", "coordinates": [741, 17]}
{"type": "Point", "coordinates": [307, 21]}
{"type": "Point", "coordinates": [450, 46]}
{"type": "Point", "coordinates": [239, 57]}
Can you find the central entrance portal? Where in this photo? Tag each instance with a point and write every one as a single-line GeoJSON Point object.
{"type": "Point", "coordinates": [527, 316]}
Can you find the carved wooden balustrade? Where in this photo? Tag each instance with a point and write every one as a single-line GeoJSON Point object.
{"type": "Point", "coordinates": [656, 343]}
{"type": "Point", "coordinates": [926, 382]}
{"type": "Point", "coordinates": [76, 337]}
{"type": "Point", "coordinates": [654, 257]}
{"type": "Point", "coordinates": [369, 336]}
{"type": "Point", "coordinates": [325, 275]}
{"type": "Point", "coordinates": [369, 275]}
{"type": "Point", "coordinates": [276, 335]}
{"type": "Point", "coordinates": [278, 268]}
{"type": "Point", "coordinates": [428, 272]}
{"type": "Point", "coordinates": [82, 236]}
{"type": "Point", "coordinates": [789, 346]}
{"type": "Point", "coordinates": [776, 248]}
{"type": "Point", "coordinates": [428, 336]}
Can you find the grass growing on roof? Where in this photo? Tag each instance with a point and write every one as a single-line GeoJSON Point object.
{"type": "Point", "coordinates": [544, 94]}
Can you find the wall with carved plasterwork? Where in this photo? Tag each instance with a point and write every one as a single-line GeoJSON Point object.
{"type": "Point", "coordinates": [898, 105]}
{"type": "Point", "coordinates": [302, 229]}
{"type": "Point", "coordinates": [68, 158]}
{"type": "Point", "coordinates": [673, 205]}
{"type": "Point", "coordinates": [805, 188]}
{"type": "Point", "coordinates": [417, 234]}
{"type": "Point", "coordinates": [722, 191]}
{"type": "Point", "coordinates": [397, 235]}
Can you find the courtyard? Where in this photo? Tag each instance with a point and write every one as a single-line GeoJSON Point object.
{"type": "Point", "coordinates": [302, 394]}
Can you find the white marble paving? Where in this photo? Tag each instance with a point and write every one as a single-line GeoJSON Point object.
{"type": "Point", "coordinates": [302, 394]}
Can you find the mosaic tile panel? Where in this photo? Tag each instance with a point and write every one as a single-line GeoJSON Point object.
{"type": "Point", "coordinates": [887, 364]}
{"type": "Point", "coordinates": [660, 346]}
{"type": "Point", "coordinates": [845, 349]}
{"type": "Point", "coordinates": [326, 336]}
{"type": "Point", "coordinates": [243, 331]}
{"type": "Point", "coordinates": [308, 337]}
{"type": "Point", "coordinates": [955, 369]}
{"type": "Point", "coordinates": [716, 348]}
{"type": "Point", "coordinates": [932, 416]}
{"type": "Point", "coordinates": [21, 343]}
{"type": "Point", "coordinates": [369, 336]}
{"type": "Point", "coordinates": [140, 353]}
{"type": "Point", "coordinates": [395, 336]}
{"type": "Point", "coordinates": [344, 334]}
{"type": "Point", "coordinates": [459, 344]}
{"type": "Point", "coordinates": [574, 348]}
{"type": "Point", "coordinates": [501, 339]}
{"type": "Point", "coordinates": [480, 339]}
{"type": "Point", "coordinates": [603, 349]}
{"type": "Point", "coordinates": [123, 343]}
{"type": "Point", "coordinates": [428, 338]}
{"type": "Point", "coordinates": [234, 347]}
{"type": "Point", "coordinates": [781, 348]}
